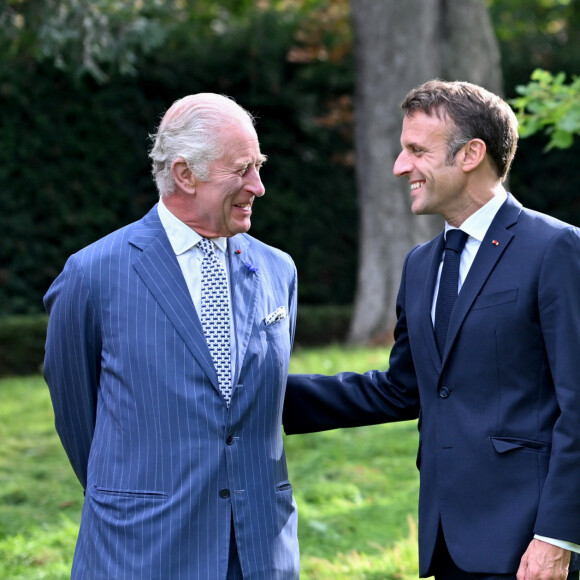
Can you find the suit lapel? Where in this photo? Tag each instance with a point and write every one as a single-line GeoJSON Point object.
{"type": "Point", "coordinates": [492, 247]}
{"type": "Point", "coordinates": [158, 268]}
{"type": "Point", "coordinates": [244, 280]}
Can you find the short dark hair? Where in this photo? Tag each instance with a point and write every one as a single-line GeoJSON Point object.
{"type": "Point", "coordinates": [476, 114]}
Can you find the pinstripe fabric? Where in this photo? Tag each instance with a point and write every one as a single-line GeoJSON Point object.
{"type": "Point", "coordinates": [140, 416]}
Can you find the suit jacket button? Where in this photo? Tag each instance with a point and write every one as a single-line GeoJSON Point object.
{"type": "Point", "coordinates": [444, 392]}
{"type": "Point", "coordinates": [224, 493]}
{"type": "Point", "coordinates": [229, 439]}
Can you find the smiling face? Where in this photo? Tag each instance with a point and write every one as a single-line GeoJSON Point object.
{"type": "Point", "coordinates": [222, 205]}
{"type": "Point", "coordinates": [437, 185]}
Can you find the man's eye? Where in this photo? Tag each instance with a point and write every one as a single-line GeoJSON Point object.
{"type": "Point", "coordinates": [247, 168]}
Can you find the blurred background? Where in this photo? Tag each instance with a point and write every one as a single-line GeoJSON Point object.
{"type": "Point", "coordinates": [84, 84]}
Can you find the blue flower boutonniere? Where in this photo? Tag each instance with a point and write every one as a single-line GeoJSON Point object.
{"type": "Point", "coordinates": [250, 267]}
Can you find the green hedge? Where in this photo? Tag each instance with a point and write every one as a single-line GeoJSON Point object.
{"type": "Point", "coordinates": [22, 337]}
{"type": "Point", "coordinates": [75, 166]}
{"type": "Point", "coordinates": [74, 152]}
{"type": "Point", "coordinates": [322, 325]}
{"type": "Point", "coordinates": [22, 344]}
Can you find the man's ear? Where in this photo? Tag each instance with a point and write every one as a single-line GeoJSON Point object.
{"type": "Point", "coordinates": [183, 176]}
{"type": "Point", "coordinates": [474, 152]}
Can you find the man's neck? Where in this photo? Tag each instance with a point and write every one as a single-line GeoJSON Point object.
{"type": "Point", "coordinates": [473, 202]}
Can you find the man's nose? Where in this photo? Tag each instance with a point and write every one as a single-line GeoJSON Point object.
{"type": "Point", "coordinates": [254, 182]}
{"type": "Point", "coordinates": [402, 164]}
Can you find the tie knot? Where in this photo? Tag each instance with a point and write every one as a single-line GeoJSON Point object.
{"type": "Point", "coordinates": [455, 240]}
{"type": "Point", "coordinates": [206, 246]}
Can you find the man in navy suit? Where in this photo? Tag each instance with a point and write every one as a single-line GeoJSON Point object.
{"type": "Point", "coordinates": [171, 421]}
{"type": "Point", "coordinates": [497, 392]}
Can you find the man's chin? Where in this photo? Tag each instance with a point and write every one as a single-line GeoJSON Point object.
{"type": "Point", "coordinates": [417, 209]}
{"type": "Point", "coordinates": [241, 228]}
{"type": "Point", "coordinates": [420, 209]}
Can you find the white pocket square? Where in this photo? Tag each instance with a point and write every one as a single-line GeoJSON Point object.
{"type": "Point", "coordinates": [277, 315]}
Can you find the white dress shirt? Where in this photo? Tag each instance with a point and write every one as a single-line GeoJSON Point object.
{"type": "Point", "coordinates": [184, 241]}
{"type": "Point", "coordinates": [476, 226]}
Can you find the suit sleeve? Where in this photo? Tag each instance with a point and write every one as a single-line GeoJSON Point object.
{"type": "Point", "coordinates": [559, 310]}
{"type": "Point", "coordinates": [72, 364]}
{"type": "Point", "coordinates": [318, 402]}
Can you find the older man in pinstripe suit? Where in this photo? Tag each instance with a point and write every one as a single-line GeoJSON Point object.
{"type": "Point", "coordinates": [182, 465]}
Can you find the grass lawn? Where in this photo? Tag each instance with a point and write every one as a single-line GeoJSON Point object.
{"type": "Point", "coordinates": [356, 489]}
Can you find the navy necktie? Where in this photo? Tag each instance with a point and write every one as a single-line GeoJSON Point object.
{"type": "Point", "coordinates": [448, 285]}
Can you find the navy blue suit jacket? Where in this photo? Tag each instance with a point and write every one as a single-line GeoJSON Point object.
{"type": "Point", "coordinates": [165, 464]}
{"type": "Point", "coordinates": [499, 449]}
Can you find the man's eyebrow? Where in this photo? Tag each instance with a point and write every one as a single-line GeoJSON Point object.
{"type": "Point", "coordinates": [260, 160]}
{"type": "Point", "coordinates": [412, 145]}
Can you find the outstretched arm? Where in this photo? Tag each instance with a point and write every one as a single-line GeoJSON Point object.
{"type": "Point", "coordinates": [319, 402]}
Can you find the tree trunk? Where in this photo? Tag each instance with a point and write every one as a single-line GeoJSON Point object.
{"type": "Point", "coordinates": [398, 45]}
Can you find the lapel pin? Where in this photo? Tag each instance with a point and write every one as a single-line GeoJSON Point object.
{"type": "Point", "coordinates": [495, 242]}
{"type": "Point", "coordinates": [238, 251]}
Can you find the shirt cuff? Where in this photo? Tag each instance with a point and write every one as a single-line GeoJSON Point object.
{"type": "Point", "coordinates": [560, 543]}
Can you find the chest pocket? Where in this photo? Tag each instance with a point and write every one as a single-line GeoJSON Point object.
{"type": "Point", "coordinates": [495, 299]}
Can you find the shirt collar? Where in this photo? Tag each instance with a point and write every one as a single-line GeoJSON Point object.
{"type": "Point", "coordinates": [181, 236]}
{"type": "Point", "coordinates": [477, 224]}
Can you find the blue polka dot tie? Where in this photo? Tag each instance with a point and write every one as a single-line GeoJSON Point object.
{"type": "Point", "coordinates": [448, 284]}
{"type": "Point", "coordinates": [215, 315]}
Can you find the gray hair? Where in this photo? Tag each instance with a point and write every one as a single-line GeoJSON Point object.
{"type": "Point", "coordinates": [190, 130]}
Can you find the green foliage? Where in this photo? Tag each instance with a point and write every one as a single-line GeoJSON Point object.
{"type": "Point", "coordinates": [40, 499]}
{"type": "Point", "coordinates": [393, 562]}
{"type": "Point", "coordinates": [356, 489]}
{"type": "Point", "coordinates": [547, 182]}
{"type": "Point", "coordinates": [540, 34]}
{"type": "Point", "coordinates": [22, 337]}
{"type": "Point", "coordinates": [536, 34]}
{"type": "Point", "coordinates": [548, 104]}
{"type": "Point", "coordinates": [365, 487]}
{"type": "Point", "coordinates": [322, 325]}
{"type": "Point", "coordinates": [331, 359]}
{"type": "Point", "coordinates": [37, 486]}
{"type": "Point", "coordinates": [93, 38]}
{"type": "Point", "coordinates": [79, 102]}
{"type": "Point", "coordinates": [45, 552]}
{"type": "Point", "coordinates": [75, 163]}
{"type": "Point", "coordinates": [22, 344]}
{"type": "Point", "coordinates": [67, 176]}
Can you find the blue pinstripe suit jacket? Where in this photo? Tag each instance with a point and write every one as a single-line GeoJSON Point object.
{"type": "Point", "coordinates": [165, 464]}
